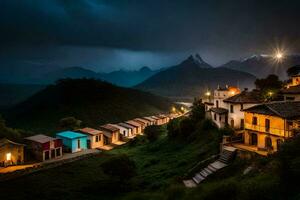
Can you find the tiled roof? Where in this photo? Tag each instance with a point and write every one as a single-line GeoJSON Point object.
{"type": "Point", "coordinates": [5, 141]}
{"type": "Point", "coordinates": [141, 120]}
{"type": "Point", "coordinates": [90, 131]}
{"type": "Point", "coordinates": [109, 127]}
{"type": "Point", "coordinates": [126, 125]}
{"type": "Point", "coordinates": [219, 110]}
{"type": "Point", "coordinates": [291, 90]}
{"type": "Point", "coordinates": [245, 97]}
{"type": "Point", "coordinates": [40, 138]}
{"type": "Point", "coordinates": [284, 109]}
{"type": "Point", "coordinates": [149, 119]}
{"type": "Point", "coordinates": [133, 123]}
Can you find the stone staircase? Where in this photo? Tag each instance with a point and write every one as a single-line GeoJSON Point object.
{"type": "Point", "coordinates": [224, 159]}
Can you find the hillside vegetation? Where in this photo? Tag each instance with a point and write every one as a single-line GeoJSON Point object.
{"type": "Point", "coordinates": [91, 101]}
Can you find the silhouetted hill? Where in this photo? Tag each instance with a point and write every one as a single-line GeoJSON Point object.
{"type": "Point", "coordinates": [192, 77]}
{"type": "Point", "coordinates": [94, 102]}
{"type": "Point", "coordinates": [70, 72]}
{"type": "Point", "coordinates": [11, 94]}
{"type": "Point", "coordinates": [263, 65]}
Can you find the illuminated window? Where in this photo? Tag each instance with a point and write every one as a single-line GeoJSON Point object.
{"type": "Point", "coordinates": [8, 156]}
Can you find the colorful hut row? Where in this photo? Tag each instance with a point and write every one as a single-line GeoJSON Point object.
{"type": "Point", "coordinates": [43, 148]}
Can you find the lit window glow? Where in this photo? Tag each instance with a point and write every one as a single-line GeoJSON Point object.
{"type": "Point", "coordinates": [8, 156]}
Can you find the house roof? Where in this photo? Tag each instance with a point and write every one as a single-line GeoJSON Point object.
{"type": "Point", "coordinates": [133, 123]}
{"type": "Point", "coordinates": [141, 120]}
{"type": "Point", "coordinates": [126, 125]}
{"type": "Point", "coordinates": [219, 110]}
{"type": "Point", "coordinates": [291, 90]}
{"type": "Point", "coordinates": [40, 138]}
{"type": "Point", "coordinates": [109, 127]}
{"type": "Point", "coordinates": [90, 131]}
{"type": "Point", "coordinates": [155, 117]}
{"type": "Point", "coordinates": [70, 134]}
{"type": "Point", "coordinates": [283, 109]}
{"type": "Point", "coordinates": [245, 97]}
{"type": "Point", "coordinates": [5, 141]}
{"type": "Point", "coordinates": [149, 119]}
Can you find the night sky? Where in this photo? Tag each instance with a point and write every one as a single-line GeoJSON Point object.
{"type": "Point", "coordinates": [105, 35]}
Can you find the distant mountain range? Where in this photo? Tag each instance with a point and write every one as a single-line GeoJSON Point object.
{"type": "Point", "coordinates": [192, 77]}
{"type": "Point", "coordinates": [263, 65]}
{"type": "Point", "coordinates": [94, 102]}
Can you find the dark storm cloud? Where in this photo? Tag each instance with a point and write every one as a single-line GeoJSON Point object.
{"type": "Point", "coordinates": [223, 29]}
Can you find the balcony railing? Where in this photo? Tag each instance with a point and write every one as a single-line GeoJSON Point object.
{"type": "Point", "coordinates": [274, 131]}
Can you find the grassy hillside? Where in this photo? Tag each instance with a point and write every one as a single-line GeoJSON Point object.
{"type": "Point", "coordinates": [93, 102]}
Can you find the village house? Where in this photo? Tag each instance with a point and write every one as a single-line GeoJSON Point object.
{"type": "Point", "coordinates": [137, 125]}
{"type": "Point", "coordinates": [150, 120]}
{"type": "Point", "coordinates": [291, 92]}
{"type": "Point", "coordinates": [158, 120]}
{"type": "Point", "coordinates": [44, 147]}
{"type": "Point", "coordinates": [95, 137]}
{"type": "Point", "coordinates": [268, 125]}
{"type": "Point", "coordinates": [145, 121]}
{"type": "Point", "coordinates": [111, 133]}
{"type": "Point", "coordinates": [132, 130]}
{"type": "Point", "coordinates": [124, 131]}
{"type": "Point", "coordinates": [165, 119]}
{"type": "Point", "coordinates": [73, 141]}
{"type": "Point", "coordinates": [142, 122]}
{"type": "Point", "coordinates": [11, 153]}
{"type": "Point", "coordinates": [218, 112]}
{"type": "Point", "coordinates": [237, 103]}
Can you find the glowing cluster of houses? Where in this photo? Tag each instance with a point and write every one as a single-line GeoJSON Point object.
{"type": "Point", "coordinates": [43, 147]}
{"type": "Point", "coordinates": [262, 125]}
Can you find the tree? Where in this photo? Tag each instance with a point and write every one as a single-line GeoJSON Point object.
{"type": "Point", "coordinates": [271, 82]}
{"type": "Point", "coordinates": [269, 86]}
{"type": "Point", "coordinates": [69, 123]}
{"type": "Point", "coordinates": [153, 132]}
{"type": "Point", "coordinates": [293, 70]}
{"type": "Point", "coordinates": [9, 133]}
{"type": "Point", "coordinates": [187, 127]}
{"type": "Point", "coordinates": [173, 128]}
{"type": "Point", "coordinates": [198, 111]}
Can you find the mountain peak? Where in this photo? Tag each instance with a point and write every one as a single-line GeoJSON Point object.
{"type": "Point", "coordinates": [145, 69]}
{"type": "Point", "coordinates": [196, 60]}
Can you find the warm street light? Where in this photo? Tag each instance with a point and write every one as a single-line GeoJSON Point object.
{"type": "Point", "coordinates": [207, 93]}
{"type": "Point", "coordinates": [270, 94]}
{"type": "Point", "coordinates": [173, 109]}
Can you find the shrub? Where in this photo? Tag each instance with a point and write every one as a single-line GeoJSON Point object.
{"type": "Point", "coordinates": [187, 127]}
{"type": "Point", "coordinates": [119, 167]}
{"type": "Point", "coordinates": [153, 132]}
{"type": "Point", "coordinates": [69, 123]}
